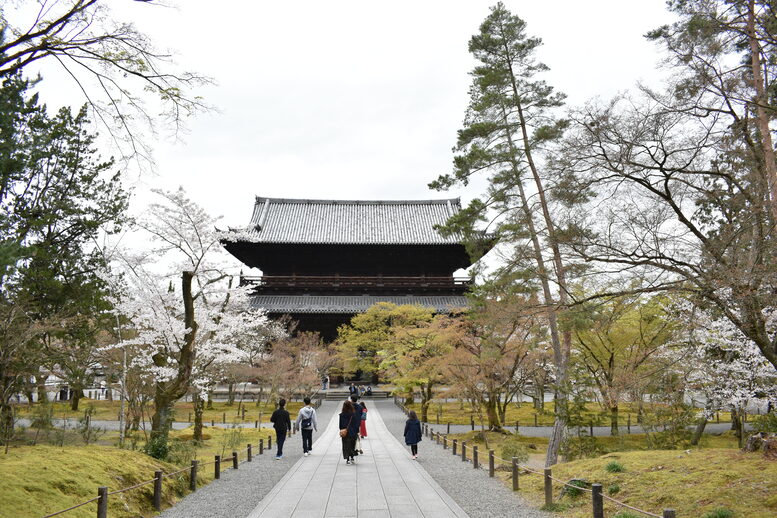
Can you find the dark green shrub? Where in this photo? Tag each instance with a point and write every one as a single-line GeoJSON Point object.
{"type": "Point", "coordinates": [157, 447]}
{"type": "Point", "coordinates": [613, 489]}
{"type": "Point", "coordinates": [720, 512]}
{"type": "Point", "coordinates": [614, 467]}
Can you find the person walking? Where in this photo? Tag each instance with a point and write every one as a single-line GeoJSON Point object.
{"type": "Point", "coordinates": [357, 408]}
{"type": "Point", "coordinates": [363, 422]}
{"type": "Point", "coordinates": [413, 433]}
{"type": "Point", "coordinates": [349, 431]}
{"type": "Point", "coordinates": [306, 423]}
{"type": "Point", "coordinates": [352, 390]}
{"type": "Point", "coordinates": [281, 421]}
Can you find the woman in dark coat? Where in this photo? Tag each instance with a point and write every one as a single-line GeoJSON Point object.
{"type": "Point", "coordinates": [413, 433]}
{"type": "Point", "coordinates": [349, 421]}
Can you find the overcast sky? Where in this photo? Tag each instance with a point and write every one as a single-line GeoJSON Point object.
{"type": "Point", "coordinates": [356, 99]}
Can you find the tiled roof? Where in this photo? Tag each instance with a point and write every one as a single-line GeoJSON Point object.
{"type": "Point", "coordinates": [350, 303]}
{"type": "Point", "coordinates": [281, 220]}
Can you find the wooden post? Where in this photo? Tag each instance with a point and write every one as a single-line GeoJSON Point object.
{"type": "Point", "coordinates": [628, 422]}
{"type": "Point", "coordinates": [261, 446]}
{"type": "Point", "coordinates": [548, 487]}
{"type": "Point", "coordinates": [193, 476]}
{"type": "Point", "coordinates": [472, 422]}
{"type": "Point", "coordinates": [517, 426]}
{"type": "Point", "coordinates": [597, 500]}
{"type": "Point", "coordinates": [438, 417]}
{"type": "Point", "coordinates": [158, 490]}
{"type": "Point", "coordinates": [455, 442]}
{"type": "Point", "coordinates": [269, 442]}
{"type": "Point", "coordinates": [591, 427]}
{"type": "Point", "coordinates": [244, 413]}
{"type": "Point", "coordinates": [217, 467]}
{"type": "Point", "coordinates": [535, 419]}
{"type": "Point", "coordinates": [491, 463]}
{"type": "Point", "coordinates": [102, 502]}
{"type": "Point", "coordinates": [190, 417]}
{"type": "Point", "coordinates": [212, 423]}
{"type": "Point", "coordinates": [717, 417]}
{"type": "Point", "coordinates": [448, 431]}
{"type": "Point", "coordinates": [444, 442]}
{"type": "Point", "coordinates": [515, 473]}
{"type": "Point", "coordinates": [249, 457]}
{"type": "Point", "coordinates": [224, 418]}
{"type": "Point", "coordinates": [234, 460]}
{"type": "Point", "coordinates": [463, 451]}
{"type": "Point", "coordinates": [475, 457]}
{"type": "Point", "coordinates": [669, 513]}
{"type": "Point", "coordinates": [256, 424]}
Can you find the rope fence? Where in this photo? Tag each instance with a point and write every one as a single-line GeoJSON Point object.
{"type": "Point", "coordinates": [103, 493]}
{"type": "Point", "coordinates": [462, 448]}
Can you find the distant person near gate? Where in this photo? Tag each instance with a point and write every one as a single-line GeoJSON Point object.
{"type": "Point", "coordinates": [281, 421]}
{"type": "Point", "coordinates": [363, 426]}
{"type": "Point", "coordinates": [306, 423]}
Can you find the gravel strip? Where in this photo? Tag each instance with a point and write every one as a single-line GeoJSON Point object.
{"type": "Point", "coordinates": [238, 492]}
{"type": "Point", "coordinates": [472, 490]}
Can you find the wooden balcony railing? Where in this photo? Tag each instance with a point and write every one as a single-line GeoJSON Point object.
{"type": "Point", "coordinates": [352, 282]}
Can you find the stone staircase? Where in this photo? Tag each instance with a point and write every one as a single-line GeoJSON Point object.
{"type": "Point", "coordinates": [341, 394]}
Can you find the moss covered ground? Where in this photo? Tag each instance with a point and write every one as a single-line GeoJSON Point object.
{"type": "Point", "coordinates": [693, 481]}
{"type": "Point", "coordinates": [37, 480]}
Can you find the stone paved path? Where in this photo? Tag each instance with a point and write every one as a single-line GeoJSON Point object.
{"type": "Point", "coordinates": [385, 482]}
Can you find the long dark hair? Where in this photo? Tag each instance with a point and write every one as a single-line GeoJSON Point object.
{"type": "Point", "coordinates": [348, 408]}
{"type": "Point", "coordinates": [412, 415]}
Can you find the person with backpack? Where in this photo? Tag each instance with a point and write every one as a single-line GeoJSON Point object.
{"type": "Point", "coordinates": [413, 433]}
{"type": "Point", "coordinates": [357, 408]}
{"type": "Point", "coordinates": [281, 421]}
{"type": "Point", "coordinates": [306, 423]}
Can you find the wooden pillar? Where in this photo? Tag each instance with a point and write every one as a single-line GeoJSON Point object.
{"type": "Point", "coordinates": [193, 476]}
{"type": "Point", "coordinates": [158, 490]}
{"type": "Point", "coordinates": [249, 457]}
{"type": "Point", "coordinates": [548, 487]}
{"type": "Point", "coordinates": [597, 500]}
{"type": "Point", "coordinates": [102, 502]}
{"type": "Point", "coordinates": [475, 457]}
{"type": "Point", "coordinates": [515, 473]}
{"type": "Point", "coordinates": [491, 463]}
{"type": "Point", "coordinates": [234, 460]}
{"type": "Point", "coordinates": [217, 467]}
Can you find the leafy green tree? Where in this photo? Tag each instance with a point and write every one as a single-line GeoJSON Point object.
{"type": "Point", "coordinates": [414, 355]}
{"type": "Point", "coordinates": [56, 198]}
{"type": "Point", "coordinates": [617, 343]}
{"type": "Point", "coordinates": [508, 129]}
{"type": "Point", "coordinates": [360, 343]}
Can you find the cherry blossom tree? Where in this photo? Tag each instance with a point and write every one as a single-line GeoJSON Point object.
{"type": "Point", "coordinates": [722, 364]}
{"type": "Point", "coordinates": [187, 329]}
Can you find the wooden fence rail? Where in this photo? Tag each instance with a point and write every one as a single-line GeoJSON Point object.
{"type": "Point", "coordinates": [597, 497]}
{"type": "Point", "coordinates": [156, 497]}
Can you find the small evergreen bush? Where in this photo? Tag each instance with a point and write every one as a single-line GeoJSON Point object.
{"type": "Point", "coordinates": [720, 512]}
{"type": "Point", "coordinates": [614, 467]}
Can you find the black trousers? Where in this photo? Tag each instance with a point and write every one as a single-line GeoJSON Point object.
{"type": "Point", "coordinates": [414, 449]}
{"type": "Point", "coordinates": [349, 443]}
{"type": "Point", "coordinates": [280, 438]}
{"type": "Point", "coordinates": [307, 440]}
